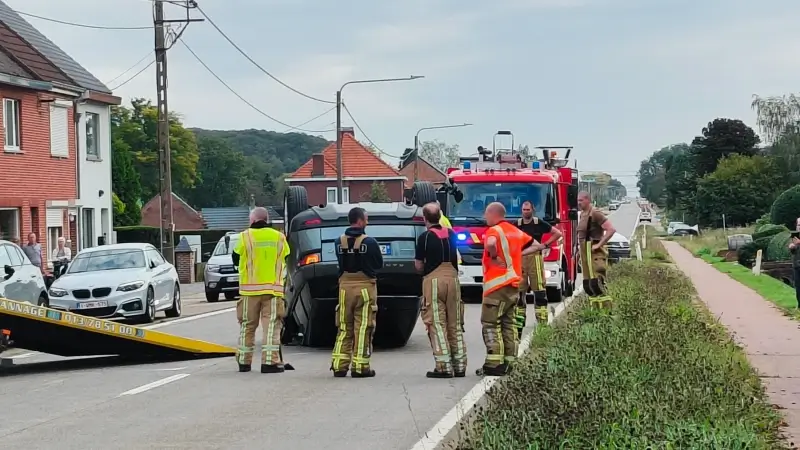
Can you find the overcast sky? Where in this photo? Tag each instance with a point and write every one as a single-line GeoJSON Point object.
{"type": "Point", "coordinates": [617, 79]}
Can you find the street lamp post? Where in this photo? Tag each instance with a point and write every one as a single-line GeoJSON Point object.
{"type": "Point", "coordinates": [339, 177]}
{"type": "Point", "coordinates": [416, 143]}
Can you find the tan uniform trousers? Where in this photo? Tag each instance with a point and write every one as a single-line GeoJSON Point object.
{"type": "Point", "coordinates": [270, 311]}
{"type": "Point", "coordinates": [355, 318]}
{"type": "Point", "coordinates": [499, 327]}
{"type": "Point", "coordinates": [442, 314]}
{"type": "Point", "coordinates": [594, 264]}
{"type": "Point", "coordinates": [533, 278]}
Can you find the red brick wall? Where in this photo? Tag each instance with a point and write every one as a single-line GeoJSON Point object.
{"type": "Point", "coordinates": [426, 173]}
{"type": "Point", "coordinates": [32, 177]}
{"type": "Point", "coordinates": [359, 190]}
{"type": "Point", "coordinates": [184, 217]}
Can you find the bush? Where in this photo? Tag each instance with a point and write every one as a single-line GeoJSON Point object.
{"type": "Point", "coordinates": [746, 255]}
{"type": "Point", "coordinates": [655, 372]}
{"type": "Point", "coordinates": [778, 248]}
{"type": "Point", "coordinates": [768, 230]}
{"type": "Point", "coordinates": [786, 208]}
{"type": "Point", "coordinates": [761, 222]}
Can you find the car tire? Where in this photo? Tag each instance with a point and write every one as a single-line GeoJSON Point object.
{"type": "Point", "coordinates": [43, 300]}
{"type": "Point", "coordinates": [149, 315]}
{"type": "Point", "coordinates": [212, 297]}
{"type": "Point", "coordinates": [423, 193]}
{"type": "Point", "coordinates": [295, 201]}
{"type": "Point", "coordinates": [175, 310]}
{"type": "Point", "coordinates": [230, 295]}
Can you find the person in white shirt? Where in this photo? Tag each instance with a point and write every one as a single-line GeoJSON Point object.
{"type": "Point", "coordinates": [61, 254]}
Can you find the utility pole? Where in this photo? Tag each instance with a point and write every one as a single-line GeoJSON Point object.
{"type": "Point", "coordinates": [339, 176]}
{"type": "Point", "coordinates": [162, 137]}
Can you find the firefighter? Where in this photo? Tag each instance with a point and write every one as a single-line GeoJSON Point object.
{"type": "Point", "coordinates": [594, 231]}
{"type": "Point", "coordinates": [359, 261]}
{"type": "Point", "coordinates": [445, 222]}
{"type": "Point", "coordinates": [533, 275]}
{"type": "Point", "coordinates": [260, 254]}
{"type": "Point", "coordinates": [504, 249]}
{"type": "Point", "coordinates": [436, 258]}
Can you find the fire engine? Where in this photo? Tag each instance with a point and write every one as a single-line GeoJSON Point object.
{"type": "Point", "coordinates": [502, 175]}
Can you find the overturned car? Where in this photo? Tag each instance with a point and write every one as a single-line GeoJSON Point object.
{"type": "Point", "coordinates": [312, 268]}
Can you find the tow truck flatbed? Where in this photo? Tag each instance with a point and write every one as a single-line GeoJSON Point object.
{"type": "Point", "coordinates": [61, 333]}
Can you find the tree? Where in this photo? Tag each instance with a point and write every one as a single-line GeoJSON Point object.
{"type": "Point", "coordinates": [721, 138]}
{"type": "Point", "coordinates": [137, 127]}
{"type": "Point", "coordinates": [221, 175]}
{"type": "Point", "coordinates": [125, 179]}
{"type": "Point", "coordinates": [652, 174]}
{"type": "Point", "coordinates": [777, 116]}
{"type": "Point", "coordinates": [119, 207]}
{"type": "Point", "coordinates": [378, 193]}
{"type": "Point", "coordinates": [439, 154]}
{"type": "Point", "coordinates": [680, 184]}
{"type": "Point", "coordinates": [268, 185]}
{"type": "Point", "coordinates": [742, 188]}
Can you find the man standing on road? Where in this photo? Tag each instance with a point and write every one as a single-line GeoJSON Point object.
{"type": "Point", "coordinates": [502, 265]}
{"type": "Point", "coordinates": [533, 275]}
{"type": "Point", "coordinates": [445, 222]}
{"type": "Point", "coordinates": [436, 258]}
{"type": "Point", "coordinates": [594, 231]}
{"type": "Point", "coordinates": [260, 254]}
{"type": "Point", "coordinates": [33, 250]}
{"type": "Point", "coordinates": [359, 261]}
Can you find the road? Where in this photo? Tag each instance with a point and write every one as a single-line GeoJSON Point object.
{"type": "Point", "coordinates": [77, 404]}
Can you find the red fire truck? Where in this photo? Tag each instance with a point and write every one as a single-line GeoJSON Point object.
{"type": "Point", "coordinates": [502, 175]}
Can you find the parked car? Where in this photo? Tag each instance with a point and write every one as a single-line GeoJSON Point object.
{"type": "Point", "coordinates": [118, 281]}
{"type": "Point", "coordinates": [613, 206]}
{"type": "Point", "coordinates": [221, 276]}
{"type": "Point", "coordinates": [645, 216]}
{"type": "Point", "coordinates": [619, 248]}
{"type": "Point", "coordinates": [21, 280]}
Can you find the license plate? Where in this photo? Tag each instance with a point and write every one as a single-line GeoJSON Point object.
{"type": "Point", "coordinates": [386, 249]}
{"type": "Point", "coordinates": [233, 279]}
{"type": "Point", "coordinates": [90, 305]}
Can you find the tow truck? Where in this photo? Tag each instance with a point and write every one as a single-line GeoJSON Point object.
{"type": "Point", "coordinates": [503, 175]}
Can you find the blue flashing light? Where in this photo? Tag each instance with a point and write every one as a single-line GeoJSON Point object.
{"type": "Point", "coordinates": [467, 165]}
{"type": "Point", "coordinates": [461, 236]}
{"type": "Point", "coordinates": [536, 165]}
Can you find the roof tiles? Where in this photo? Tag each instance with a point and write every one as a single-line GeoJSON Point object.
{"type": "Point", "coordinates": [357, 160]}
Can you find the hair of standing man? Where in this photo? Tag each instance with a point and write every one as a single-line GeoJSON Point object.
{"type": "Point", "coordinates": [432, 212]}
{"type": "Point", "coordinates": [356, 214]}
{"type": "Point", "coordinates": [529, 203]}
{"type": "Point", "coordinates": [259, 214]}
{"type": "Point", "coordinates": [584, 194]}
{"type": "Point", "coordinates": [498, 208]}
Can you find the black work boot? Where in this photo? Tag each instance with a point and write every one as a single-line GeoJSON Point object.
{"type": "Point", "coordinates": [339, 373]}
{"type": "Point", "coordinates": [498, 371]}
{"type": "Point", "coordinates": [366, 373]}
{"type": "Point", "coordinates": [244, 367]}
{"type": "Point", "coordinates": [460, 373]}
{"type": "Point", "coordinates": [436, 373]}
{"type": "Point", "coordinates": [272, 368]}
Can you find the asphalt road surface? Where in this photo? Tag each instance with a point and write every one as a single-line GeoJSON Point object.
{"type": "Point", "coordinates": [58, 403]}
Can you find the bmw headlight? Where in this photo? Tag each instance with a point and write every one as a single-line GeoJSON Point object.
{"type": "Point", "coordinates": [132, 286]}
{"type": "Point", "coordinates": [56, 292]}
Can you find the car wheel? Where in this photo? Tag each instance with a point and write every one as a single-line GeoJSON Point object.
{"type": "Point", "coordinates": [230, 295]}
{"type": "Point", "coordinates": [295, 201]}
{"type": "Point", "coordinates": [423, 193]}
{"type": "Point", "coordinates": [43, 300]}
{"type": "Point", "coordinates": [212, 297]}
{"type": "Point", "coordinates": [150, 307]}
{"type": "Point", "coordinates": [175, 310]}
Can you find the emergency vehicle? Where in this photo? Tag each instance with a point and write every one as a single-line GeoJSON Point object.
{"type": "Point", "coordinates": [502, 175]}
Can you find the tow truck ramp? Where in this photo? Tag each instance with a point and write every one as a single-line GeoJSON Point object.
{"type": "Point", "coordinates": [61, 333]}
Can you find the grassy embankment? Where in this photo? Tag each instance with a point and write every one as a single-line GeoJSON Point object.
{"type": "Point", "coordinates": [656, 372]}
{"type": "Point", "coordinates": [654, 250]}
{"type": "Point", "coordinates": [712, 242]}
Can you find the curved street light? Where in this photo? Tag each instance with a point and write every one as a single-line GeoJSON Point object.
{"type": "Point", "coordinates": [416, 143]}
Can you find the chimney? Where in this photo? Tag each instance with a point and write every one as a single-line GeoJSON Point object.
{"type": "Point", "coordinates": [347, 130]}
{"type": "Point", "coordinates": [317, 165]}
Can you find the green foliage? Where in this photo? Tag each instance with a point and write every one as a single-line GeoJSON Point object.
{"type": "Point", "coordinates": [768, 230]}
{"type": "Point", "coordinates": [152, 235]}
{"type": "Point", "coordinates": [378, 193]}
{"type": "Point", "coordinates": [119, 207]}
{"type": "Point", "coordinates": [439, 154]}
{"type": "Point", "coordinates": [778, 248]}
{"type": "Point", "coordinates": [125, 179]}
{"type": "Point", "coordinates": [786, 208]}
{"type": "Point", "coordinates": [741, 188]}
{"type": "Point", "coordinates": [652, 174]}
{"type": "Point", "coordinates": [656, 371]}
{"type": "Point", "coordinates": [722, 138]}
{"type": "Point", "coordinates": [746, 255]}
{"type": "Point", "coordinates": [681, 185]}
{"type": "Point", "coordinates": [221, 175]}
{"type": "Point", "coordinates": [763, 221]}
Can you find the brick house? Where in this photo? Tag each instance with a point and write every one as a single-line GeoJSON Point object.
{"type": "Point", "coordinates": [184, 216]}
{"type": "Point", "coordinates": [42, 91]}
{"type": "Point", "coordinates": [361, 169]}
{"type": "Point", "coordinates": [427, 171]}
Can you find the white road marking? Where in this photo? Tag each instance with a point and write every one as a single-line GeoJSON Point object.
{"type": "Point", "coordinates": [170, 369]}
{"type": "Point", "coordinates": [437, 435]}
{"type": "Point", "coordinates": [189, 319]}
{"type": "Point", "coordinates": [23, 355]}
{"type": "Point", "coordinates": [154, 384]}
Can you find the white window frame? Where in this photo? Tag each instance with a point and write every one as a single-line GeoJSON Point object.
{"type": "Point", "coordinates": [87, 228]}
{"type": "Point", "coordinates": [93, 122]}
{"type": "Point", "coordinates": [16, 231]}
{"type": "Point", "coordinates": [11, 140]}
{"type": "Point", "coordinates": [53, 233]}
{"type": "Point", "coordinates": [331, 193]}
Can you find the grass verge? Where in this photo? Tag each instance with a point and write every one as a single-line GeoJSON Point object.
{"type": "Point", "coordinates": [654, 249]}
{"type": "Point", "coordinates": [710, 241]}
{"type": "Point", "coordinates": [656, 372]}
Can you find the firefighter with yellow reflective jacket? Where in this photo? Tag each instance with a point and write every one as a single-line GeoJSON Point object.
{"type": "Point", "coordinates": [260, 254]}
{"type": "Point", "coordinates": [359, 261]}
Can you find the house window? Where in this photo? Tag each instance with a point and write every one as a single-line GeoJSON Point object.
{"type": "Point", "coordinates": [87, 225]}
{"type": "Point", "coordinates": [11, 124]}
{"type": "Point", "coordinates": [331, 195]}
{"type": "Point", "coordinates": [92, 136]}
{"type": "Point", "coordinates": [53, 233]}
{"type": "Point", "coordinates": [9, 223]}
{"type": "Point", "coordinates": [59, 130]}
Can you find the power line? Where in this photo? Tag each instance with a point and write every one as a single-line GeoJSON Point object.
{"type": "Point", "coordinates": [265, 71]}
{"type": "Point", "coordinates": [314, 118]}
{"type": "Point", "coordinates": [148, 55]}
{"type": "Point", "coordinates": [134, 76]}
{"type": "Point", "coordinates": [360, 130]}
{"type": "Point", "coordinates": [255, 108]}
{"type": "Point", "coordinates": [81, 25]}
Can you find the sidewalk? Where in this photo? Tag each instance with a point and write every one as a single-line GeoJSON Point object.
{"type": "Point", "coordinates": [771, 340]}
